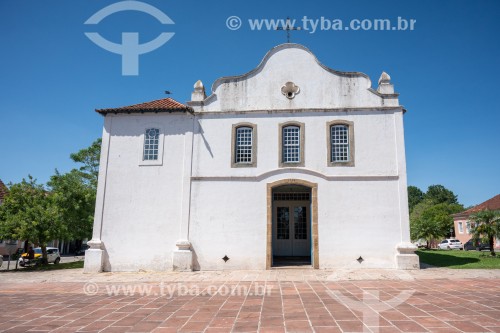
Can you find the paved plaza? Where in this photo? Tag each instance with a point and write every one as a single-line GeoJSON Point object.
{"type": "Point", "coordinates": [281, 300]}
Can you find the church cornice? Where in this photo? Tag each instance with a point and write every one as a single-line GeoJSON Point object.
{"type": "Point", "coordinates": [305, 171]}
{"type": "Point", "coordinates": [307, 110]}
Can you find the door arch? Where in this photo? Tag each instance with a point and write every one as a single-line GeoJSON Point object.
{"type": "Point", "coordinates": [313, 187]}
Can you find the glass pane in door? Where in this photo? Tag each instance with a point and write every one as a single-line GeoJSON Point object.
{"type": "Point", "coordinates": [300, 222]}
{"type": "Point", "coordinates": [283, 223]}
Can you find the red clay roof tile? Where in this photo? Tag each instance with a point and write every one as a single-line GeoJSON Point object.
{"type": "Point", "coordinates": [159, 105]}
{"type": "Point", "coordinates": [491, 204]}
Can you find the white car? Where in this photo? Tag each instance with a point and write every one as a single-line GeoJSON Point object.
{"type": "Point", "coordinates": [449, 244]}
{"type": "Point", "coordinates": [53, 256]}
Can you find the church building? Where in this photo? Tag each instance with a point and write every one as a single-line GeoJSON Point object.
{"type": "Point", "coordinates": [292, 163]}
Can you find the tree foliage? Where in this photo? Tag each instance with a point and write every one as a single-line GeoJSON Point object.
{"type": "Point", "coordinates": [63, 210]}
{"type": "Point", "coordinates": [415, 196]}
{"type": "Point", "coordinates": [89, 157]}
{"type": "Point", "coordinates": [430, 212]}
{"type": "Point", "coordinates": [430, 221]}
{"type": "Point", "coordinates": [30, 212]}
{"type": "Point", "coordinates": [440, 194]}
{"type": "Point", "coordinates": [75, 191]}
{"type": "Point", "coordinates": [75, 199]}
{"type": "Point", "coordinates": [487, 227]}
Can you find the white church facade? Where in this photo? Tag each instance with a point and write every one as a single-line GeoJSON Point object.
{"type": "Point", "coordinates": [290, 163]}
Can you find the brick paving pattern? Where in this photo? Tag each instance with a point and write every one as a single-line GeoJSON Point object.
{"type": "Point", "coordinates": [420, 305]}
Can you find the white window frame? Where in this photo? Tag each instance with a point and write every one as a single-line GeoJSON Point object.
{"type": "Point", "coordinates": [301, 145]}
{"type": "Point", "coordinates": [294, 135]}
{"type": "Point", "coordinates": [350, 143]}
{"type": "Point", "coordinates": [467, 227]}
{"type": "Point", "coordinates": [461, 227]}
{"type": "Point", "coordinates": [342, 131]}
{"type": "Point", "coordinates": [253, 147]}
{"type": "Point", "coordinates": [161, 138]}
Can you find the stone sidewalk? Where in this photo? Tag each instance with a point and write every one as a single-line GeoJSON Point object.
{"type": "Point", "coordinates": [283, 300]}
{"type": "Point", "coordinates": [279, 274]}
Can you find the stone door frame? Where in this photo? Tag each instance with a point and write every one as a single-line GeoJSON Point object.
{"type": "Point", "coordinates": [314, 218]}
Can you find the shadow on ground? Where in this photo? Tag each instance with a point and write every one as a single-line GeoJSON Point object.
{"type": "Point", "coordinates": [443, 260]}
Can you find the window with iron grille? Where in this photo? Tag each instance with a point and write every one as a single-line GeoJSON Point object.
{"type": "Point", "coordinates": [339, 136]}
{"type": "Point", "coordinates": [291, 144]}
{"type": "Point", "coordinates": [244, 145]}
{"type": "Point", "coordinates": [151, 144]}
{"type": "Point", "coordinates": [292, 196]}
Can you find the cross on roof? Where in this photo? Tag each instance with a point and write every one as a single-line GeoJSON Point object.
{"type": "Point", "coordinates": [288, 27]}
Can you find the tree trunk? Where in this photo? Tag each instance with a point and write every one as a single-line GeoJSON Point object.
{"type": "Point", "coordinates": [44, 260]}
{"type": "Point", "coordinates": [492, 248]}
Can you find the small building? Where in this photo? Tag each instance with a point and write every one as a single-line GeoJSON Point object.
{"type": "Point", "coordinates": [463, 224]}
{"type": "Point", "coordinates": [292, 162]}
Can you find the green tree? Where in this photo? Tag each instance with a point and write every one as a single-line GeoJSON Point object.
{"type": "Point", "coordinates": [487, 227]}
{"type": "Point", "coordinates": [30, 212]}
{"type": "Point", "coordinates": [430, 221]}
{"type": "Point", "coordinates": [415, 196]}
{"type": "Point", "coordinates": [89, 157]}
{"type": "Point", "coordinates": [440, 194]}
{"type": "Point", "coordinates": [75, 192]}
{"type": "Point", "coordinates": [76, 201]}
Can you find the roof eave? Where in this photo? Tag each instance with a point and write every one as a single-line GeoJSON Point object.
{"type": "Point", "coordinates": [130, 111]}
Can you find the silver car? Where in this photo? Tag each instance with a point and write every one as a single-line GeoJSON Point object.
{"type": "Point", "coordinates": [449, 244]}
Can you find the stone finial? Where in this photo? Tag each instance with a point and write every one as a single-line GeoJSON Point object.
{"type": "Point", "coordinates": [198, 86]}
{"type": "Point", "coordinates": [198, 95]}
{"type": "Point", "coordinates": [384, 84]}
{"type": "Point", "coordinates": [384, 78]}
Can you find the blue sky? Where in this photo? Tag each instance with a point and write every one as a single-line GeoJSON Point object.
{"type": "Point", "coordinates": [52, 76]}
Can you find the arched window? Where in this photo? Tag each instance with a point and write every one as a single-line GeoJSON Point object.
{"type": "Point", "coordinates": [340, 143]}
{"type": "Point", "coordinates": [291, 144]}
{"type": "Point", "coordinates": [339, 135]}
{"type": "Point", "coordinates": [243, 145]}
{"type": "Point", "coordinates": [151, 144]}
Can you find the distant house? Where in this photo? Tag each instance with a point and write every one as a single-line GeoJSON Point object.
{"type": "Point", "coordinates": [463, 224]}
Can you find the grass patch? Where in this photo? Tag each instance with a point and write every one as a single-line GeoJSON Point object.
{"type": "Point", "coordinates": [459, 259]}
{"type": "Point", "coordinates": [49, 267]}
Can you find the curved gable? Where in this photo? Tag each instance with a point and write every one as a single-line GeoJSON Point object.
{"type": "Point", "coordinates": [318, 85]}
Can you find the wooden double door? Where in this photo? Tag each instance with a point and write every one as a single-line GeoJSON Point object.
{"type": "Point", "coordinates": [291, 228]}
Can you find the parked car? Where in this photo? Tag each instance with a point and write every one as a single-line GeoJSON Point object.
{"type": "Point", "coordinates": [53, 256]}
{"type": "Point", "coordinates": [449, 244]}
{"type": "Point", "coordinates": [421, 243]}
{"type": "Point", "coordinates": [476, 245]}
{"type": "Point", "coordinates": [1, 260]}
